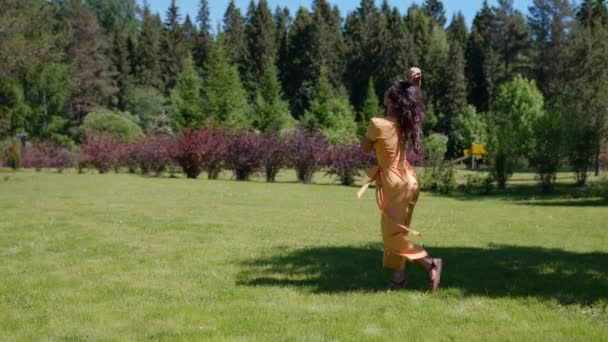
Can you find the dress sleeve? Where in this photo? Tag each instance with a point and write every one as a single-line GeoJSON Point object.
{"type": "Point", "coordinates": [373, 131]}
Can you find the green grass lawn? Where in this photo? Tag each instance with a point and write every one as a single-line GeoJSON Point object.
{"type": "Point", "coordinates": [128, 257]}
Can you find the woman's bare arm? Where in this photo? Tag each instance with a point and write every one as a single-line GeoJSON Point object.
{"type": "Point", "coordinates": [367, 145]}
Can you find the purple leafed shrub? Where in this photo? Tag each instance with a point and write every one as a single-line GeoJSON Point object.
{"type": "Point", "coordinates": [153, 153]}
{"type": "Point", "coordinates": [244, 154]}
{"type": "Point", "coordinates": [195, 150]}
{"type": "Point", "coordinates": [99, 150]}
{"type": "Point", "coordinates": [347, 161]}
{"type": "Point", "coordinates": [126, 157]}
{"type": "Point", "coordinates": [274, 154]}
{"type": "Point", "coordinates": [49, 155]}
{"type": "Point", "coordinates": [306, 153]}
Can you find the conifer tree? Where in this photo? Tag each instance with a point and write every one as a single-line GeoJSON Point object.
{"type": "Point", "coordinates": [203, 39]}
{"type": "Point", "coordinates": [148, 51]}
{"type": "Point", "coordinates": [272, 111]}
{"type": "Point", "coordinates": [186, 97]}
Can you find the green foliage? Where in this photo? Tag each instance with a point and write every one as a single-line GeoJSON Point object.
{"type": "Point", "coordinates": [148, 104]}
{"type": "Point", "coordinates": [186, 97]}
{"type": "Point", "coordinates": [261, 42]}
{"type": "Point", "coordinates": [445, 182]}
{"type": "Point", "coordinates": [122, 125]}
{"type": "Point", "coordinates": [331, 114]}
{"type": "Point", "coordinates": [548, 149]}
{"type": "Point", "coordinates": [518, 107]}
{"type": "Point", "coordinates": [271, 112]}
{"type": "Point", "coordinates": [478, 183]}
{"type": "Point", "coordinates": [148, 52]}
{"type": "Point", "coordinates": [470, 127]}
{"type": "Point", "coordinates": [435, 148]}
{"type": "Point", "coordinates": [12, 154]}
{"type": "Point", "coordinates": [371, 107]}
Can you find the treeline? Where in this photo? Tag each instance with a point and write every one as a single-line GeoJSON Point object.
{"type": "Point", "coordinates": [532, 88]}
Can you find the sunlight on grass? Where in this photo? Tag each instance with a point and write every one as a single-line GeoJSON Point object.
{"type": "Point", "coordinates": [127, 257]}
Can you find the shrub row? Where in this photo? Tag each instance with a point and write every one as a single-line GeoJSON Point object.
{"type": "Point", "coordinates": [212, 149]}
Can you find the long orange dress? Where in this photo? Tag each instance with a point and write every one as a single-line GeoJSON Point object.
{"type": "Point", "coordinates": [397, 191]}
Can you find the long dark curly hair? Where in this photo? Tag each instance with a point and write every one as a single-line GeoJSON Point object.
{"type": "Point", "coordinates": [408, 107]}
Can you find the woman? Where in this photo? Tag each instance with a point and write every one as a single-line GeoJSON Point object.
{"type": "Point", "coordinates": [397, 189]}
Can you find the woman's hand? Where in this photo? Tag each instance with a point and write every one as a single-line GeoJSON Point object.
{"type": "Point", "coordinates": [414, 76]}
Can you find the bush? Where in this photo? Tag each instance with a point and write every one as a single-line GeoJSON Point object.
{"type": "Point", "coordinates": [446, 181]}
{"type": "Point", "coordinates": [306, 153]}
{"type": "Point", "coordinates": [600, 188]}
{"type": "Point", "coordinates": [202, 149]}
{"type": "Point", "coordinates": [244, 154]}
{"type": "Point", "coordinates": [274, 156]}
{"type": "Point", "coordinates": [477, 183]}
{"type": "Point", "coordinates": [11, 154]}
{"type": "Point", "coordinates": [49, 155]}
{"type": "Point", "coordinates": [435, 147]}
{"type": "Point", "coordinates": [122, 125]}
{"type": "Point", "coordinates": [347, 161]}
{"type": "Point", "coordinates": [99, 150]}
{"type": "Point", "coordinates": [153, 153]}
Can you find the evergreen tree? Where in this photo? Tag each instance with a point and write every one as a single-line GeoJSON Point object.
{"type": "Point", "coordinates": [173, 47]}
{"type": "Point", "coordinates": [330, 114]}
{"type": "Point", "coordinates": [115, 15]}
{"type": "Point", "coordinates": [590, 10]}
{"type": "Point", "coordinates": [457, 31]}
{"type": "Point", "coordinates": [435, 10]}
{"type": "Point", "coordinates": [272, 111]}
{"type": "Point", "coordinates": [328, 43]}
{"type": "Point", "coordinates": [283, 22]}
{"type": "Point", "coordinates": [203, 38]}
{"type": "Point", "coordinates": [190, 34]}
{"type": "Point", "coordinates": [550, 22]}
{"type": "Point", "coordinates": [371, 108]}
{"type": "Point", "coordinates": [186, 97]}
{"type": "Point", "coordinates": [455, 96]}
{"type": "Point", "coordinates": [148, 51]}
{"type": "Point", "coordinates": [224, 99]}
{"type": "Point", "coordinates": [261, 43]}
{"type": "Point", "coordinates": [85, 52]}
{"type": "Point", "coordinates": [121, 65]}
{"type": "Point", "coordinates": [236, 39]}
{"type": "Point", "coordinates": [512, 41]}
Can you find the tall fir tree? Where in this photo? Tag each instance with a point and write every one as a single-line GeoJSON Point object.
{"type": "Point", "coordinates": [235, 36]}
{"type": "Point", "coordinates": [283, 22]}
{"type": "Point", "coordinates": [190, 34]}
{"type": "Point", "coordinates": [224, 98]}
{"type": "Point", "coordinates": [271, 110]}
{"type": "Point", "coordinates": [435, 10]}
{"type": "Point", "coordinates": [591, 10]}
{"type": "Point", "coordinates": [261, 42]}
{"type": "Point", "coordinates": [371, 108]}
{"type": "Point", "coordinates": [328, 44]}
{"type": "Point", "coordinates": [116, 15]}
{"type": "Point", "coordinates": [550, 23]}
{"type": "Point", "coordinates": [148, 51]}
{"type": "Point", "coordinates": [121, 68]}
{"type": "Point", "coordinates": [186, 97]}
{"type": "Point", "coordinates": [203, 40]}
{"type": "Point", "coordinates": [512, 41]}
{"type": "Point", "coordinates": [457, 30]}
{"type": "Point", "coordinates": [174, 48]}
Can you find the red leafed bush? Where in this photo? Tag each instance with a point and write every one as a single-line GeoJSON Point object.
{"type": "Point", "coordinates": [347, 161]}
{"type": "Point", "coordinates": [306, 153]}
{"type": "Point", "coordinates": [99, 150]}
{"type": "Point", "coordinates": [126, 157]}
{"type": "Point", "coordinates": [153, 153]}
{"type": "Point", "coordinates": [274, 154]}
{"type": "Point", "coordinates": [244, 154]}
{"type": "Point", "coordinates": [198, 150]}
{"type": "Point", "coordinates": [49, 155]}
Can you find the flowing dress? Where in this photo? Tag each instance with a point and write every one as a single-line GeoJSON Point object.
{"type": "Point", "coordinates": [397, 191]}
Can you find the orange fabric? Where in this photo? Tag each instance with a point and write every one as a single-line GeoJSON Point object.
{"type": "Point", "coordinates": [397, 192]}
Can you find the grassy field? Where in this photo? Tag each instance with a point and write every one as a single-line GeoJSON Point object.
{"type": "Point", "coordinates": [127, 257]}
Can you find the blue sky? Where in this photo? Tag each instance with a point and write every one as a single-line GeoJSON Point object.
{"type": "Point", "coordinates": [468, 7]}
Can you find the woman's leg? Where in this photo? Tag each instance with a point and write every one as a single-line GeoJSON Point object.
{"type": "Point", "coordinates": [434, 266]}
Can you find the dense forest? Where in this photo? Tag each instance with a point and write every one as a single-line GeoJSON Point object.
{"type": "Point", "coordinates": [529, 87]}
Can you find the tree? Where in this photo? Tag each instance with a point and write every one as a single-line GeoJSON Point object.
{"type": "Point", "coordinates": [272, 111]}
{"type": "Point", "coordinates": [203, 39]}
{"type": "Point", "coordinates": [435, 10]}
{"type": "Point", "coordinates": [455, 97]}
{"type": "Point", "coordinates": [261, 42]}
{"type": "Point", "coordinates": [457, 31]}
{"type": "Point", "coordinates": [519, 105]}
{"type": "Point", "coordinates": [236, 39]}
{"type": "Point", "coordinates": [121, 125]}
{"type": "Point", "coordinates": [186, 97]}
{"type": "Point", "coordinates": [512, 40]}
{"type": "Point", "coordinates": [148, 66]}
{"type": "Point", "coordinates": [470, 128]}
{"type": "Point", "coordinates": [149, 105]}
{"type": "Point", "coordinates": [330, 114]}
{"type": "Point", "coordinates": [550, 22]}
{"type": "Point", "coordinates": [371, 107]}
{"type": "Point", "coordinates": [590, 10]}
{"type": "Point", "coordinates": [114, 15]}
{"type": "Point", "coordinates": [173, 47]}
{"type": "Point", "coordinates": [190, 34]}
{"type": "Point", "coordinates": [121, 68]}
{"type": "Point", "coordinates": [91, 86]}
{"type": "Point", "coordinates": [224, 98]}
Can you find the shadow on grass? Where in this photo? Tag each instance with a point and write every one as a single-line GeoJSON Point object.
{"type": "Point", "coordinates": [496, 271]}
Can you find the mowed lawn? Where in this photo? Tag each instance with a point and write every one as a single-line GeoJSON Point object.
{"type": "Point", "coordinates": [129, 257]}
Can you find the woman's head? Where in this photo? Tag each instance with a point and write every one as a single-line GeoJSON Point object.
{"type": "Point", "coordinates": [404, 102]}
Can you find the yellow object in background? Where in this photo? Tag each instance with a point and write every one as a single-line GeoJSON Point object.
{"type": "Point", "coordinates": [478, 149]}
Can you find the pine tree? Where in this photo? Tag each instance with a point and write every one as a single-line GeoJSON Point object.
{"type": "Point", "coordinates": [224, 99]}
{"type": "Point", "coordinates": [186, 97]}
{"type": "Point", "coordinates": [148, 66]}
{"type": "Point", "coordinates": [261, 42]}
{"type": "Point", "coordinates": [371, 107]}
{"type": "Point", "coordinates": [512, 40]}
{"type": "Point", "coordinates": [457, 31]}
{"type": "Point", "coordinates": [121, 65]}
{"type": "Point", "coordinates": [116, 15]}
{"type": "Point", "coordinates": [399, 53]}
{"type": "Point", "coordinates": [190, 34]}
{"type": "Point", "coordinates": [85, 52]}
{"type": "Point", "coordinates": [203, 38]}
{"type": "Point", "coordinates": [328, 43]}
{"type": "Point", "coordinates": [283, 22]}
{"type": "Point", "coordinates": [236, 39]}
{"type": "Point", "coordinates": [435, 10]}
{"type": "Point", "coordinates": [173, 47]}
{"type": "Point", "coordinates": [589, 10]}
{"type": "Point", "coordinates": [272, 111]}
{"type": "Point", "coordinates": [550, 22]}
